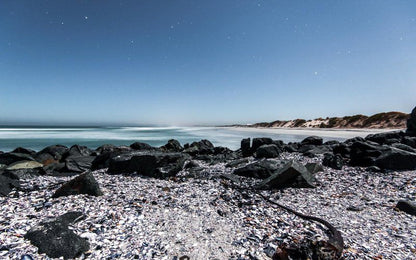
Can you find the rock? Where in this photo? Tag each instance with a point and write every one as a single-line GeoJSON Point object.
{"type": "Point", "coordinates": [293, 174]}
{"type": "Point", "coordinates": [141, 146]}
{"type": "Point", "coordinates": [385, 138]}
{"type": "Point", "coordinates": [355, 208]}
{"type": "Point", "coordinates": [55, 151]}
{"type": "Point", "coordinates": [54, 168]}
{"type": "Point", "coordinates": [313, 150]}
{"type": "Point", "coordinates": [153, 164]}
{"type": "Point", "coordinates": [411, 123]}
{"type": "Point", "coordinates": [410, 141]}
{"type": "Point", "coordinates": [332, 142]}
{"type": "Point", "coordinates": [78, 163]}
{"type": "Point", "coordinates": [342, 149]}
{"type": "Point", "coordinates": [268, 151]}
{"type": "Point", "coordinates": [407, 206]}
{"type": "Point", "coordinates": [78, 150]}
{"type": "Point", "coordinates": [9, 158]}
{"type": "Point", "coordinates": [55, 239]}
{"type": "Point", "coordinates": [354, 139]}
{"type": "Point", "coordinates": [201, 147]}
{"type": "Point", "coordinates": [245, 147]}
{"type": "Point", "coordinates": [259, 169]}
{"type": "Point", "coordinates": [82, 184]}
{"type": "Point", "coordinates": [312, 140]}
{"type": "Point", "coordinates": [314, 167]}
{"type": "Point", "coordinates": [24, 150]}
{"type": "Point", "coordinates": [222, 150]}
{"type": "Point", "coordinates": [365, 154]}
{"type": "Point", "coordinates": [172, 146]}
{"type": "Point", "coordinates": [403, 147]}
{"type": "Point", "coordinates": [24, 165]}
{"type": "Point", "coordinates": [7, 184]}
{"type": "Point", "coordinates": [373, 169]}
{"type": "Point", "coordinates": [106, 153]}
{"type": "Point", "coordinates": [333, 161]}
{"type": "Point", "coordinates": [257, 142]}
{"type": "Point", "coordinates": [291, 147]}
{"type": "Point", "coordinates": [396, 159]}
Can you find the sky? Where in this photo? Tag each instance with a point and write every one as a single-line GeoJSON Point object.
{"type": "Point", "coordinates": [187, 62]}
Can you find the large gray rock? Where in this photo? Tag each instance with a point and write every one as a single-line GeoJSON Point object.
{"type": "Point", "coordinates": [396, 159]}
{"type": "Point", "coordinates": [82, 184]}
{"type": "Point", "coordinates": [202, 147]}
{"type": "Point", "coordinates": [292, 174]}
{"type": "Point", "coordinates": [78, 163]}
{"type": "Point", "coordinates": [51, 154]}
{"type": "Point", "coordinates": [260, 169]}
{"type": "Point", "coordinates": [78, 150]}
{"type": "Point", "coordinates": [268, 151]}
{"type": "Point", "coordinates": [153, 164]}
{"type": "Point", "coordinates": [55, 239]}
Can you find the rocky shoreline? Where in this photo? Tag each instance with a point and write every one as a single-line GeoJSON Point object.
{"type": "Point", "coordinates": [198, 201]}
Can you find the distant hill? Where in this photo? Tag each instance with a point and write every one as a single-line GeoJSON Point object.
{"type": "Point", "coordinates": [380, 120]}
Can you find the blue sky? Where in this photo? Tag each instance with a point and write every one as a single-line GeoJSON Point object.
{"type": "Point", "coordinates": [204, 62]}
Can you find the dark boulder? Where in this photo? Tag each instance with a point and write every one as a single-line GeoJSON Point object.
{"type": "Point", "coordinates": [333, 161]}
{"type": "Point", "coordinates": [385, 138]}
{"type": "Point", "coordinates": [410, 141]}
{"type": "Point", "coordinates": [9, 158]}
{"type": "Point", "coordinates": [7, 184]}
{"type": "Point", "coordinates": [78, 150]}
{"type": "Point", "coordinates": [411, 123]}
{"type": "Point", "coordinates": [403, 147]}
{"type": "Point", "coordinates": [407, 206]}
{"type": "Point", "coordinates": [257, 142]}
{"type": "Point", "coordinates": [246, 147]}
{"type": "Point", "coordinates": [312, 140]}
{"type": "Point", "coordinates": [236, 162]}
{"type": "Point", "coordinates": [291, 147]}
{"type": "Point", "coordinates": [365, 154]}
{"type": "Point", "coordinates": [260, 169]}
{"type": "Point", "coordinates": [141, 146]}
{"type": "Point", "coordinates": [21, 174]}
{"type": "Point", "coordinates": [78, 163]}
{"type": "Point", "coordinates": [153, 164]}
{"type": "Point", "coordinates": [82, 184]}
{"type": "Point", "coordinates": [268, 151]}
{"type": "Point", "coordinates": [55, 239]}
{"type": "Point", "coordinates": [172, 146]}
{"type": "Point", "coordinates": [201, 147]}
{"type": "Point", "coordinates": [106, 153]}
{"type": "Point", "coordinates": [24, 150]}
{"type": "Point", "coordinates": [332, 142]}
{"type": "Point", "coordinates": [55, 151]}
{"type": "Point", "coordinates": [292, 174]}
{"type": "Point", "coordinates": [314, 150]}
{"type": "Point", "coordinates": [54, 168]}
{"type": "Point", "coordinates": [342, 149]}
{"type": "Point", "coordinates": [354, 139]}
{"type": "Point", "coordinates": [396, 159]}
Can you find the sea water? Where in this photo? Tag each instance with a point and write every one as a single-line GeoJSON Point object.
{"type": "Point", "coordinates": [37, 138]}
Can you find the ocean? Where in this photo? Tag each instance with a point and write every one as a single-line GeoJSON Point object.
{"type": "Point", "coordinates": [37, 138]}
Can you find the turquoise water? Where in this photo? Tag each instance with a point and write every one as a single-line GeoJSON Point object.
{"type": "Point", "coordinates": [39, 137]}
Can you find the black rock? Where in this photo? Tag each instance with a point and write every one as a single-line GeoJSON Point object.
{"type": "Point", "coordinates": [7, 184]}
{"type": "Point", "coordinates": [403, 147]}
{"type": "Point", "coordinates": [410, 141]}
{"type": "Point", "coordinates": [333, 161]}
{"type": "Point", "coordinates": [293, 174]}
{"type": "Point", "coordinates": [237, 162]}
{"type": "Point", "coordinates": [291, 147]}
{"type": "Point", "coordinates": [141, 146]}
{"type": "Point", "coordinates": [396, 159]}
{"type": "Point", "coordinates": [313, 150]}
{"type": "Point", "coordinates": [201, 147]}
{"type": "Point", "coordinates": [411, 123]}
{"type": "Point", "coordinates": [407, 206]}
{"type": "Point", "coordinates": [106, 153]}
{"type": "Point", "coordinates": [245, 147]}
{"type": "Point", "coordinates": [153, 164]}
{"type": "Point", "coordinates": [332, 142]}
{"type": "Point", "coordinates": [342, 149]}
{"type": "Point", "coordinates": [365, 154]}
{"type": "Point", "coordinates": [268, 151]}
{"type": "Point", "coordinates": [21, 174]}
{"type": "Point", "coordinates": [172, 146]}
{"type": "Point", "coordinates": [55, 239]}
{"type": "Point", "coordinates": [24, 150]}
{"type": "Point", "coordinates": [78, 150]}
{"type": "Point", "coordinates": [257, 142]}
{"type": "Point", "coordinates": [55, 151]}
{"type": "Point", "coordinates": [78, 163]}
{"type": "Point", "coordinates": [354, 139]}
{"type": "Point", "coordinates": [385, 138]}
{"type": "Point", "coordinates": [9, 158]}
{"type": "Point", "coordinates": [82, 184]}
{"type": "Point", "coordinates": [313, 140]}
{"type": "Point", "coordinates": [54, 168]}
{"type": "Point", "coordinates": [259, 169]}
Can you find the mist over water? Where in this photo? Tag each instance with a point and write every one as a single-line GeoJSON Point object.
{"type": "Point", "coordinates": [37, 138]}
